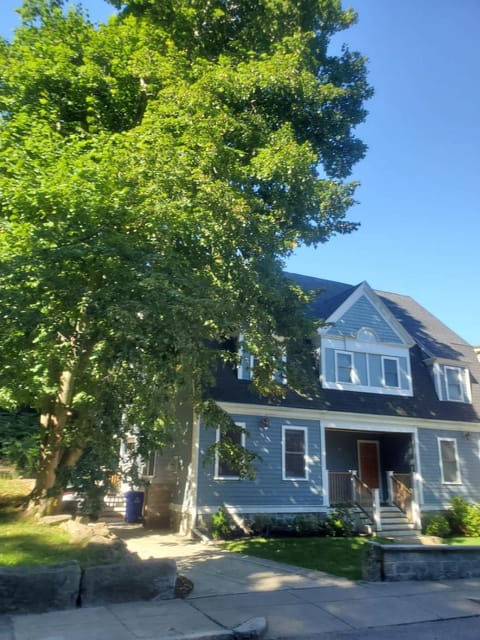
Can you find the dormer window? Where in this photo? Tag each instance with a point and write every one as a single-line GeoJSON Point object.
{"type": "Point", "coordinates": [454, 384]}
{"type": "Point", "coordinates": [344, 367]}
{"type": "Point", "coordinates": [391, 376]}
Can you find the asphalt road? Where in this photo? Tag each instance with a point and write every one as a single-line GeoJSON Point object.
{"type": "Point", "coordinates": [456, 629]}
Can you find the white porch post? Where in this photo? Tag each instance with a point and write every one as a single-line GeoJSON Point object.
{"type": "Point", "coordinates": [326, 489]}
{"type": "Point", "coordinates": [376, 509]}
{"type": "Point", "coordinates": [416, 515]}
{"type": "Point", "coordinates": [390, 487]}
{"type": "Point", "coordinates": [352, 473]}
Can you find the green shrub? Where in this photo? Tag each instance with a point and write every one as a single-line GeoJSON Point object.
{"type": "Point", "coordinates": [472, 520]}
{"type": "Point", "coordinates": [307, 525]}
{"type": "Point", "coordinates": [221, 524]}
{"type": "Point", "coordinates": [339, 523]}
{"type": "Point", "coordinates": [464, 517]}
{"type": "Point", "coordinates": [438, 525]}
{"type": "Point", "coordinates": [457, 514]}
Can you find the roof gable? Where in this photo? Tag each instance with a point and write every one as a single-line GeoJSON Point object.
{"type": "Point", "coordinates": [363, 309]}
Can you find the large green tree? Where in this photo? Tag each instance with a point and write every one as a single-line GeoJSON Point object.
{"type": "Point", "coordinates": [155, 172]}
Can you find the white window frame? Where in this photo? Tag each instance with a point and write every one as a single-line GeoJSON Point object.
{"type": "Point", "coordinates": [146, 465]}
{"type": "Point", "coordinates": [353, 374]}
{"type": "Point", "coordinates": [457, 460]}
{"type": "Point", "coordinates": [347, 345]}
{"type": "Point", "coordinates": [397, 361]}
{"type": "Point", "coordinates": [461, 378]}
{"type": "Point", "coordinates": [244, 373]}
{"type": "Point", "coordinates": [305, 455]}
{"type": "Point", "coordinates": [217, 475]}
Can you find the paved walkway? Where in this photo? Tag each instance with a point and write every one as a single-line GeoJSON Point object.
{"type": "Point", "coordinates": [231, 588]}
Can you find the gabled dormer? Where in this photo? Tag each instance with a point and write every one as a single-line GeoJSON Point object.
{"type": "Point", "coordinates": [451, 379]}
{"type": "Point", "coordinates": [364, 347]}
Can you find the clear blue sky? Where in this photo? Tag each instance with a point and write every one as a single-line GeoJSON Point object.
{"type": "Point", "coordinates": [419, 196]}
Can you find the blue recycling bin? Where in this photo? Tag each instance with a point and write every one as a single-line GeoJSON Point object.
{"type": "Point", "coordinates": [134, 506]}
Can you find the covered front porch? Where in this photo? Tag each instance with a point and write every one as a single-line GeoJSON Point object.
{"type": "Point", "coordinates": [373, 470]}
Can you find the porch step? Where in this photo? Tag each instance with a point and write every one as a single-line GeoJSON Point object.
{"type": "Point", "coordinates": [396, 525]}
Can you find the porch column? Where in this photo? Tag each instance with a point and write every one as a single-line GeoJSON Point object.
{"type": "Point", "coordinates": [390, 487]}
{"type": "Point", "coordinates": [376, 510]}
{"type": "Point", "coordinates": [416, 515]}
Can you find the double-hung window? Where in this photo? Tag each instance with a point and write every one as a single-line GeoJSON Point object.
{"type": "Point", "coordinates": [390, 372]}
{"type": "Point", "coordinates": [344, 366]}
{"type": "Point", "coordinates": [295, 447]}
{"type": "Point", "coordinates": [454, 383]}
{"type": "Point", "coordinates": [225, 439]}
{"type": "Point", "coordinates": [449, 460]}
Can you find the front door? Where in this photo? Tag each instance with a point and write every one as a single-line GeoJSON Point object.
{"type": "Point", "coordinates": [369, 463]}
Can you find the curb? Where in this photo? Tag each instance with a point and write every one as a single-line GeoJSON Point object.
{"type": "Point", "coordinates": [251, 629]}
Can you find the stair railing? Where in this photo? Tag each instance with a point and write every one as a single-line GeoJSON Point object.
{"type": "Point", "coordinates": [402, 494]}
{"type": "Point", "coordinates": [345, 487]}
{"type": "Point", "coordinates": [367, 499]}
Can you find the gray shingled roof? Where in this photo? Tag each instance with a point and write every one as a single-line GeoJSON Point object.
{"type": "Point", "coordinates": [433, 340]}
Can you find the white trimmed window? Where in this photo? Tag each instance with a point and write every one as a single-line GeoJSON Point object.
{"type": "Point", "coordinates": [449, 463]}
{"type": "Point", "coordinates": [246, 361]}
{"type": "Point", "coordinates": [223, 470]}
{"type": "Point", "coordinates": [344, 371]}
{"type": "Point", "coordinates": [391, 376]}
{"type": "Point", "coordinates": [148, 465]}
{"type": "Point", "coordinates": [454, 383]}
{"type": "Point", "coordinates": [295, 450]}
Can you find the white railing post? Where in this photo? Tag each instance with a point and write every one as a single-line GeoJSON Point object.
{"type": "Point", "coordinates": [390, 487]}
{"type": "Point", "coordinates": [416, 516]}
{"type": "Point", "coordinates": [376, 510]}
{"type": "Point", "coordinates": [326, 489]}
{"type": "Point", "coordinates": [352, 473]}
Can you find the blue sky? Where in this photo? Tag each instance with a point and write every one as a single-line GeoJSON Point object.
{"type": "Point", "coordinates": [419, 198]}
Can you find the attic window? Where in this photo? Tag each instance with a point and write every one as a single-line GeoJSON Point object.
{"type": "Point", "coordinates": [454, 384]}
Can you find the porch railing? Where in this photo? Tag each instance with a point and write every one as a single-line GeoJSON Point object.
{"type": "Point", "coordinates": [340, 487]}
{"type": "Point", "coordinates": [346, 487]}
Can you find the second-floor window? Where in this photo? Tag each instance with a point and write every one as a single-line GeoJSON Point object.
{"type": "Point", "coordinates": [390, 372]}
{"type": "Point", "coordinates": [344, 367]}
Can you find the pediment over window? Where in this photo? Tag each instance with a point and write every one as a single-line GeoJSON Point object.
{"type": "Point", "coordinates": [365, 317]}
{"type": "Point", "coordinates": [365, 348]}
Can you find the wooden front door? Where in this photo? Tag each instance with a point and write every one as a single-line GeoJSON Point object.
{"type": "Point", "coordinates": [369, 463]}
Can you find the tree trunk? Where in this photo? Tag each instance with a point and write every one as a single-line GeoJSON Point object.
{"type": "Point", "coordinates": [47, 494]}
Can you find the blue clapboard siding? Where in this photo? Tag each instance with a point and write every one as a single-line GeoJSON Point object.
{"type": "Point", "coordinates": [364, 314]}
{"type": "Point", "coordinates": [434, 492]}
{"type": "Point", "coordinates": [268, 488]}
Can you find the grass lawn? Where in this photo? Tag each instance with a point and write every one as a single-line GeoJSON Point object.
{"type": "Point", "coordinates": [24, 541]}
{"type": "Point", "coordinates": [338, 556]}
{"type": "Point", "coordinates": [462, 540]}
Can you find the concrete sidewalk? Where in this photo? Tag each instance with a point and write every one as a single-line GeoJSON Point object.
{"type": "Point", "coordinates": [230, 589]}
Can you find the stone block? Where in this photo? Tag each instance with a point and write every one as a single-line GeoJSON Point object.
{"type": "Point", "coordinates": [38, 589]}
{"type": "Point", "coordinates": [127, 581]}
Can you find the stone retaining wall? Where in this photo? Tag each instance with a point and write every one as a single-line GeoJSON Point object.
{"type": "Point", "coordinates": [398, 562]}
{"type": "Point", "coordinates": [64, 586]}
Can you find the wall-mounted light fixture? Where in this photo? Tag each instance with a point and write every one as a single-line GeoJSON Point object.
{"type": "Point", "coordinates": [265, 423]}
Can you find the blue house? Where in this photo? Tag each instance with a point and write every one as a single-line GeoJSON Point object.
{"type": "Point", "coordinates": [394, 427]}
